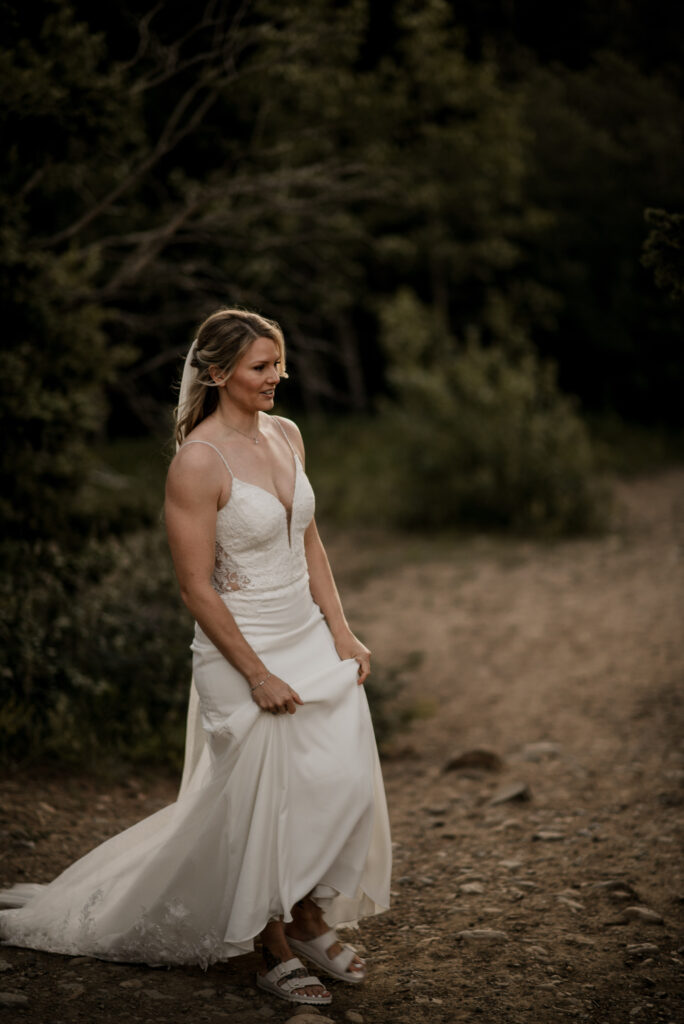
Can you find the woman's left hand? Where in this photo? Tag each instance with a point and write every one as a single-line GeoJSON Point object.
{"type": "Point", "coordinates": [349, 647]}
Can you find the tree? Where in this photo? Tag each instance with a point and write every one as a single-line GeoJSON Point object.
{"type": "Point", "coordinates": [69, 129]}
{"type": "Point", "coordinates": [606, 143]}
{"type": "Point", "coordinates": [138, 194]}
{"type": "Point", "coordinates": [664, 251]}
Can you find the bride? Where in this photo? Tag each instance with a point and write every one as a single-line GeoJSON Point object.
{"type": "Point", "coordinates": [280, 828]}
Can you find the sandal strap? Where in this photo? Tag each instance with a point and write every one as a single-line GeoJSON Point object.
{"type": "Point", "coordinates": [284, 969]}
{"type": "Point", "coordinates": [343, 959]}
{"type": "Point", "coordinates": [291, 974]}
{"type": "Point", "coordinates": [291, 983]}
{"type": "Point", "coordinates": [323, 942]}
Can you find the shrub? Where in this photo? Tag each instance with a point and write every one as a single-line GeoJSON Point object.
{"type": "Point", "coordinates": [95, 644]}
{"type": "Point", "coordinates": [472, 435]}
{"type": "Point", "coordinates": [390, 713]}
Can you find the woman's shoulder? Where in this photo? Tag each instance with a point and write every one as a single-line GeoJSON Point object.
{"type": "Point", "coordinates": [290, 428]}
{"type": "Point", "coordinates": [197, 463]}
{"type": "Point", "coordinates": [292, 432]}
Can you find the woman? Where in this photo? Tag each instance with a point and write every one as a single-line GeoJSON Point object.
{"type": "Point", "coordinates": [280, 828]}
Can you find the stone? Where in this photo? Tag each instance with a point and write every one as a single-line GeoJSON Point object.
{"type": "Point", "coordinates": [437, 811]}
{"type": "Point", "coordinates": [72, 988]}
{"type": "Point", "coordinates": [153, 993]}
{"type": "Point", "coordinates": [642, 949]}
{"type": "Point", "coordinates": [354, 1016]}
{"type": "Point", "coordinates": [237, 1000]}
{"type": "Point", "coordinates": [546, 835]}
{"type": "Point", "coordinates": [206, 993]}
{"type": "Point", "coordinates": [308, 1015]}
{"type": "Point", "coordinates": [579, 940]}
{"type": "Point", "coordinates": [472, 888]}
{"type": "Point", "coordinates": [506, 824]}
{"type": "Point", "coordinates": [485, 760]}
{"type": "Point", "coordinates": [538, 751]}
{"type": "Point", "coordinates": [616, 889]}
{"type": "Point", "coordinates": [267, 1012]}
{"type": "Point", "coordinates": [13, 999]}
{"type": "Point", "coordinates": [642, 914]}
{"type": "Point", "coordinates": [131, 983]}
{"type": "Point", "coordinates": [511, 865]}
{"type": "Point", "coordinates": [5, 965]}
{"type": "Point", "coordinates": [513, 791]}
{"type": "Point", "coordinates": [76, 961]}
{"type": "Point", "coordinates": [481, 936]}
{"type": "Point", "coordinates": [571, 904]}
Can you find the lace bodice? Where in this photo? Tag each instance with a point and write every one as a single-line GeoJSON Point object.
{"type": "Point", "coordinates": [256, 548]}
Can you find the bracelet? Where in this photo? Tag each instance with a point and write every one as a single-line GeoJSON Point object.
{"type": "Point", "coordinates": [257, 685]}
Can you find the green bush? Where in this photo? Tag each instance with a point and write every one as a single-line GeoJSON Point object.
{"type": "Point", "coordinates": [472, 436]}
{"type": "Point", "coordinates": [389, 711]}
{"type": "Point", "coordinates": [95, 644]}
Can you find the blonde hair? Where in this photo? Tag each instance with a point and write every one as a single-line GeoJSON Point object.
{"type": "Point", "coordinates": [221, 341]}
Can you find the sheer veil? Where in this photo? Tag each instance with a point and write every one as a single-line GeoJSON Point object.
{"type": "Point", "coordinates": [194, 733]}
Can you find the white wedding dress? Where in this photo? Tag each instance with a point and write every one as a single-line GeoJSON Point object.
{"type": "Point", "coordinates": [272, 807]}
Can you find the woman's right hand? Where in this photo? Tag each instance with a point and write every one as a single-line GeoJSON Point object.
{"type": "Point", "coordinates": [275, 696]}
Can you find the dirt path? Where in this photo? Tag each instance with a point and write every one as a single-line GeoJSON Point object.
{"type": "Point", "coordinates": [565, 661]}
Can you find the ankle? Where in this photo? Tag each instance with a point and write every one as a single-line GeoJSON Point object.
{"type": "Point", "coordinates": [306, 911]}
{"type": "Point", "coordinates": [275, 953]}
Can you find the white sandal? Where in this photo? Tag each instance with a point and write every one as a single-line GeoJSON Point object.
{"type": "Point", "coordinates": [287, 976]}
{"type": "Point", "coordinates": [316, 950]}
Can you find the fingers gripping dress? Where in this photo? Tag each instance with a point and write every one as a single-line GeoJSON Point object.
{"type": "Point", "coordinates": [277, 806]}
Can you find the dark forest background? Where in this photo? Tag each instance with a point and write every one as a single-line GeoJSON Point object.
{"type": "Point", "coordinates": [467, 218]}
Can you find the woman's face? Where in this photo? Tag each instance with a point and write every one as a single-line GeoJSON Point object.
{"type": "Point", "coordinates": [254, 380]}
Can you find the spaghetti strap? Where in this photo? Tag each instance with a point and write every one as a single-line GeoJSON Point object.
{"type": "Point", "coordinates": [210, 445]}
{"type": "Point", "coordinates": [284, 433]}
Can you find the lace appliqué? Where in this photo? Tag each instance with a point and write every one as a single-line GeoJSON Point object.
{"type": "Point", "coordinates": [226, 575]}
{"type": "Point", "coordinates": [167, 936]}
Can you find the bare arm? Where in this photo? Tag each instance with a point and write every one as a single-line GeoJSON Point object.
{"type": "Point", "coordinates": [326, 596]}
{"type": "Point", "coordinates": [195, 485]}
{"type": "Point", "coordinates": [322, 584]}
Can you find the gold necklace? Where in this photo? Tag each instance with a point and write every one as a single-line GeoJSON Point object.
{"type": "Point", "coordinates": [249, 437]}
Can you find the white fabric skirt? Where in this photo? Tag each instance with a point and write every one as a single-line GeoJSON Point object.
{"type": "Point", "coordinates": [278, 806]}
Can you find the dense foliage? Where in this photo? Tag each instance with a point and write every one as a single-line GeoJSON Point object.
{"type": "Point", "coordinates": [313, 161]}
{"type": "Point", "coordinates": [442, 203]}
{"type": "Point", "coordinates": [479, 436]}
{"type": "Point", "coordinates": [664, 251]}
{"type": "Point", "coordinates": [61, 102]}
{"type": "Point", "coordinates": [97, 649]}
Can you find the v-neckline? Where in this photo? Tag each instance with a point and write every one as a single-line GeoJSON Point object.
{"type": "Point", "coordinates": [265, 490]}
